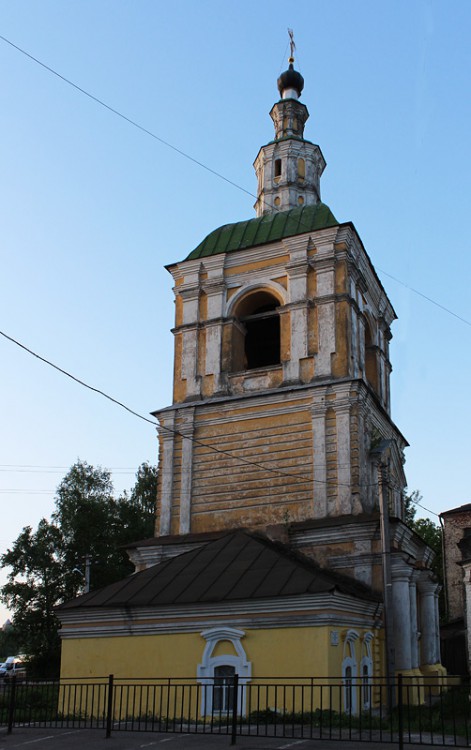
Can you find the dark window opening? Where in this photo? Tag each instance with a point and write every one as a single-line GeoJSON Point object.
{"type": "Point", "coordinates": [223, 691]}
{"type": "Point", "coordinates": [262, 338]}
{"type": "Point", "coordinates": [277, 168]}
{"type": "Point", "coordinates": [371, 362]}
{"type": "Point", "coordinates": [256, 332]}
{"type": "Point", "coordinates": [348, 689]}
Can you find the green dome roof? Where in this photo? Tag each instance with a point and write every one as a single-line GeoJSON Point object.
{"type": "Point", "coordinates": [263, 229]}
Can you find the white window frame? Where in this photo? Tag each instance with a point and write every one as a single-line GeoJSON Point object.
{"type": "Point", "coordinates": [205, 670]}
{"type": "Point", "coordinates": [349, 692]}
{"type": "Point", "coordinates": [366, 661]}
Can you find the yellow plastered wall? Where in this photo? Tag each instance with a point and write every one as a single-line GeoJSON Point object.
{"type": "Point", "coordinates": [281, 653]}
{"type": "Point", "coordinates": [273, 652]}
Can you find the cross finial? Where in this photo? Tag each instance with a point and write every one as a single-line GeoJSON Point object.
{"type": "Point", "coordinates": [291, 44]}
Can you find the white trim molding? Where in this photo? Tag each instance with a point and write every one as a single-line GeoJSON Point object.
{"type": "Point", "coordinates": [206, 670]}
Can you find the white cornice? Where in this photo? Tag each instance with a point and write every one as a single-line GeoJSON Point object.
{"type": "Point", "coordinates": [313, 610]}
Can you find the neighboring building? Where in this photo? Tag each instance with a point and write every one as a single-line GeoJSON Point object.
{"type": "Point", "coordinates": [456, 634]}
{"type": "Point", "coordinates": [268, 556]}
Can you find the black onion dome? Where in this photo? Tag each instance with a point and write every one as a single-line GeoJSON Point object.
{"type": "Point", "coordinates": [290, 79]}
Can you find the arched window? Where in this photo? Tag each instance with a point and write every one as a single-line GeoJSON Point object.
{"type": "Point", "coordinates": [349, 670]}
{"type": "Point", "coordinates": [256, 341]}
{"type": "Point", "coordinates": [277, 172]}
{"type": "Point", "coordinates": [216, 671]}
{"type": "Point", "coordinates": [301, 170]}
{"type": "Point", "coordinates": [366, 671]}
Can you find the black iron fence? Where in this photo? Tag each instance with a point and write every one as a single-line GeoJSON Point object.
{"type": "Point", "coordinates": [427, 711]}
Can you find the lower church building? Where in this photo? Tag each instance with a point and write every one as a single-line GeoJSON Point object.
{"type": "Point", "coordinates": [279, 516]}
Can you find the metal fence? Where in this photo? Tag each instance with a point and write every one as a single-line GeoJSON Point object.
{"type": "Point", "coordinates": [427, 711]}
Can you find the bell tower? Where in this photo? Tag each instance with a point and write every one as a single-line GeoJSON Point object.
{"type": "Point", "coordinates": [281, 371]}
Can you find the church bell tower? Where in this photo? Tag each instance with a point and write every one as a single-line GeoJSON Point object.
{"type": "Point", "coordinates": [281, 371]}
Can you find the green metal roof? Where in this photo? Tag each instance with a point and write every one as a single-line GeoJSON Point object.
{"type": "Point", "coordinates": [263, 229]}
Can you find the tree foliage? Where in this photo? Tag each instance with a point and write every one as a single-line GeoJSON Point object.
{"type": "Point", "coordinates": [431, 534]}
{"type": "Point", "coordinates": [47, 566]}
{"type": "Point", "coordinates": [10, 644]}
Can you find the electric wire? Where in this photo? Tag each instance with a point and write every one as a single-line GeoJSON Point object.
{"type": "Point", "coordinates": [201, 164]}
{"type": "Point", "coordinates": [239, 187]}
{"type": "Point", "coordinates": [429, 299]}
{"type": "Point", "coordinates": [125, 117]}
{"type": "Point", "coordinates": [194, 440]}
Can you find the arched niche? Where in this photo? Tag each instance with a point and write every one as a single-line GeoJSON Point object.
{"type": "Point", "coordinates": [256, 333]}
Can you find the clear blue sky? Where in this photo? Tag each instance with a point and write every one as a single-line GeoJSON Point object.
{"type": "Point", "coordinates": [92, 208]}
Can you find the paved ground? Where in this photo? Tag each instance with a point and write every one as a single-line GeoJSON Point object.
{"type": "Point", "coordinates": [93, 739]}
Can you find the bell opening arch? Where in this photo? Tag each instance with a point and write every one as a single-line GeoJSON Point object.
{"type": "Point", "coordinates": [256, 340]}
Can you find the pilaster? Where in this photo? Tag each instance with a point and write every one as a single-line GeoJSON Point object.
{"type": "Point", "coordinates": [186, 429]}
{"type": "Point", "coordinates": [342, 408]}
{"type": "Point", "coordinates": [320, 469]}
{"type": "Point", "coordinates": [297, 270]}
{"type": "Point", "coordinates": [325, 301]}
{"type": "Point", "coordinates": [167, 441]}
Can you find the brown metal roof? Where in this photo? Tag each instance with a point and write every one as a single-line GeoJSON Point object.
{"type": "Point", "coordinates": [238, 566]}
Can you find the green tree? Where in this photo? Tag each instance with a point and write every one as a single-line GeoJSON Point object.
{"type": "Point", "coordinates": [431, 534]}
{"type": "Point", "coordinates": [47, 566]}
{"type": "Point", "coordinates": [10, 644]}
{"type": "Point", "coordinates": [35, 585]}
{"type": "Point", "coordinates": [87, 516]}
{"type": "Point", "coordinates": [137, 511]}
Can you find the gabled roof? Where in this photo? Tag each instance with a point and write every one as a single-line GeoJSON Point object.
{"type": "Point", "coordinates": [238, 566]}
{"type": "Point", "coordinates": [263, 229]}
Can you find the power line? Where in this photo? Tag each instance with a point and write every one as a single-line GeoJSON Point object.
{"type": "Point", "coordinates": [424, 508]}
{"type": "Point", "coordinates": [221, 176]}
{"type": "Point", "coordinates": [77, 380]}
{"type": "Point", "coordinates": [429, 299]}
{"type": "Point", "coordinates": [201, 164]}
{"type": "Point", "coordinates": [124, 117]}
{"type": "Point", "coordinates": [194, 440]}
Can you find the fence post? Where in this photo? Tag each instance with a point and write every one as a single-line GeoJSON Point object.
{"type": "Point", "coordinates": [11, 705]}
{"type": "Point", "coordinates": [400, 712]}
{"type": "Point", "coordinates": [235, 699]}
{"type": "Point", "coordinates": [109, 711]}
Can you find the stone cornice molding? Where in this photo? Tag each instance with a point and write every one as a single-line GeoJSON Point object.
{"type": "Point", "coordinates": [283, 606]}
{"type": "Point", "coordinates": [308, 611]}
{"type": "Point", "coordinates": [187, 425]}
{"type": "Point", "coordinates": [108, 630]}
{"type": "Point", "coordinates": [352, 560]}
{"type": "Point", "coordinates": [188, 292]}
{"type": "Point", "coordinates": [186, 328]}
{"type": "Point", "coordinates": [320, 385]}
{"type": "Point", "coordinates": [213, 286]}
{"type": "Point", "coordinates": [350, 531]}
